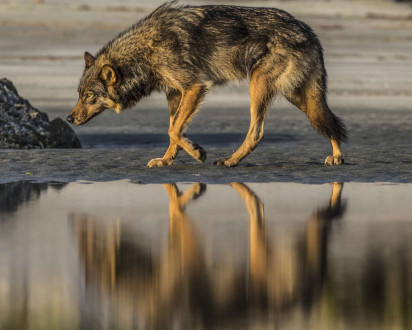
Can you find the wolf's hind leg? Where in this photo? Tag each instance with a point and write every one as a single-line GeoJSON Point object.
{"type": "Point", "coordinates": [336, 158]}
{"type": "Point", "coordinates": [311, 99]}
{"type": "Point", "coordinates": [261, 93]}
{"type": "Point", "coordinates": [173, 100]}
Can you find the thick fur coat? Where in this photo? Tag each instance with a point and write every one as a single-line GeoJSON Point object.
{"type": "Point", "coordinates": [185, 50]}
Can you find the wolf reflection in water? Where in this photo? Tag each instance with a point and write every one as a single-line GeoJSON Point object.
{"type": "Point", "coordinates": [181, 286]}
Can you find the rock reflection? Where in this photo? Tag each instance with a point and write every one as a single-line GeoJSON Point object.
{"type": "Point", "coordinates": [14, 194]}
{"type": "Point", "coordinates": [178, 288]}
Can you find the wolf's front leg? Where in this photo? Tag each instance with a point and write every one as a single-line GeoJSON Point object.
{"type": "Point", "coordinates": [173, 100]}
{"type": "Point", "coordinates": [182, 106]}
{"type": "Point", "coordinates": [189, 104]}
{"type": "Point", "coordinates": [168, 158]}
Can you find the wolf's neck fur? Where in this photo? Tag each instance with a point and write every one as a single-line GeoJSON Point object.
{"type": "Point", "coordinates": [131, 55]}
{"type": "Point", "coordinates": [128, 54]}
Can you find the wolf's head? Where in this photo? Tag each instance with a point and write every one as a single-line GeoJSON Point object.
{"type": "Point", "coordinates": [97, 91]}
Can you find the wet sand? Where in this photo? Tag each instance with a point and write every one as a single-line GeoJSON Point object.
{"type": "Point", "coordinates": [368, 57]}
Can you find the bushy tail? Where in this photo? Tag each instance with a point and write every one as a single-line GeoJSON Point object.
{"type": "Point", "coordinates": [337, 130]}
{"type": "Point", "coordinates": [326, 122]}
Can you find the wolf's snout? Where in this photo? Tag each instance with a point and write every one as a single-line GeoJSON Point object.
{"type": "Point", "coordinates": [70, 119]}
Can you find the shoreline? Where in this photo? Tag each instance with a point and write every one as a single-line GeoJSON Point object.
{"type": "Point", "coordinates": [369, 64]}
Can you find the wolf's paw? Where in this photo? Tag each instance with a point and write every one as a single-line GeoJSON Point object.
{"type": "Point", "coordinates": [334, 160]}
{"type": "Point", "coordinates": [159, 162]}
{"type": "Point", "coordinates": [200, 155]}
{"type": "Point", "coordinates": [226, 161]}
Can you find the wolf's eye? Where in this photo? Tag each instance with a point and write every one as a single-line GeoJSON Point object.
{"type": "Point", "coordinates": [89, 95]}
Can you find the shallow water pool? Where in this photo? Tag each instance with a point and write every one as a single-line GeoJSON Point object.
{"type": "Point", "coordinates": [118, 255]}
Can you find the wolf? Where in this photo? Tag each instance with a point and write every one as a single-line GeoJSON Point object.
{"type": "Point", "coordinates": [184, 51]}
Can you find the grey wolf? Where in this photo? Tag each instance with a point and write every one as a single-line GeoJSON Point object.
{"type": "Point", "coordinates": [184, 51]}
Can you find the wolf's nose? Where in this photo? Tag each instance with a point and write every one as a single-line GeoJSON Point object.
{"type": "Point", "coordinates": [70, 119]}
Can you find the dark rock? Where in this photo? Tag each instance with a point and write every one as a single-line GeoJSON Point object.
{"type": "Point", "coordinates": [25, 127]}
{"type": "Point", "coordinates": [64, 135]}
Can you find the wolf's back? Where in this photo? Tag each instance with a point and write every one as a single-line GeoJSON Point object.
{"type": "Point", "coordinates": [179, 46]}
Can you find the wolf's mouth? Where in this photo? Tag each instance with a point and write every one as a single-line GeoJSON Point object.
{"type": "Point", "coordinates": [87, 119]}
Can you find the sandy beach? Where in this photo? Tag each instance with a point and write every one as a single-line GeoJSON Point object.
{"type": "Point", "coordinates": [368, 47]}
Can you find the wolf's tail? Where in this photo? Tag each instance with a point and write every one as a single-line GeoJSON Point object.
{"type": "Point", "coordinates": [334, 128]}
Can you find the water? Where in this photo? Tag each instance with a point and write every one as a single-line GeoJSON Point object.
{"type": "Point", "coordinates": [119, 255]}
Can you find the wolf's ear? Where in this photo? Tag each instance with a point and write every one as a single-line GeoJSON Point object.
{"type": "Point", "coordinates": [88, 60]}
{"type": "Point", "coordinates": [108, 75]}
